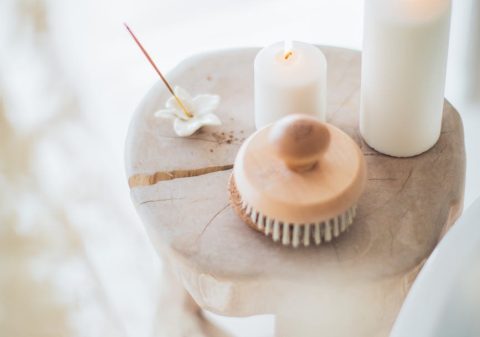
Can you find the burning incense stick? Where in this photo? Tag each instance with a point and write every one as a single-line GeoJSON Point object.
{"type": "Point", "coordinates": [169, 87]}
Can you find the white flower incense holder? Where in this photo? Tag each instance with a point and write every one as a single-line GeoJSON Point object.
{"type": "Point", "coordinates": [192, 113]}
{"type": "Point", "coordinates": [188, 114]}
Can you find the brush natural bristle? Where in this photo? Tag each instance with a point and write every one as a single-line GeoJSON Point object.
{"type": "Point", "coordinates": [290, 233]}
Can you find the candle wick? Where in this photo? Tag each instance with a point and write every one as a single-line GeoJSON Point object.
{"type": "Point", "coordinates": [164, 80]}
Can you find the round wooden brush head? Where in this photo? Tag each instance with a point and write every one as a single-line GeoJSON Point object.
{"type": "Point", "coordinates": [298, 171]}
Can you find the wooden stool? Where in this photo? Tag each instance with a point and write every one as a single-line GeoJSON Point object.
{"type": "Point", "coordinates": [353, 286]}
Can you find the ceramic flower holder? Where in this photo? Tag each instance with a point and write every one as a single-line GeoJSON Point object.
{"type": "Point", "coordinates": [200, 112]}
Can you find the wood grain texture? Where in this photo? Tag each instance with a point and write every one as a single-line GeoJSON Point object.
{"type": "Point", "coordinates": [231, 269]}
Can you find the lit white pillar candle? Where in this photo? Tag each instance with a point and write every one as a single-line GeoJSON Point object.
{"type": "Point", "coordinates": [289, 78]}
{"type": "Point", "coordinates": [403, 74]}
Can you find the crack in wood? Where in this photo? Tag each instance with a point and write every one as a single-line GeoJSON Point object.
{"type": "Point", "coordinates": [138, 180]}
{"type": "Point", "coordinates": [217, 141]}
{"type": "Point", "coordinates": [382, 179]}
{"type": "Point", "coordinates": [213, 218]}
{"type": "Point", "coordinates": [346, 100]}
{"type": "Point", "coordinates": [159, 200]}
{"type": "Point", "coordinates": [400, 191]}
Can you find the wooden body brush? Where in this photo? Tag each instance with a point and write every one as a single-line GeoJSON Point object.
{"type": "Point", "coordinates": [298, 181]}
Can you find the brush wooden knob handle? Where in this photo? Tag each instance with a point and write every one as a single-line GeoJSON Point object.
{"type": "Point", "coordinates": [299, 141]}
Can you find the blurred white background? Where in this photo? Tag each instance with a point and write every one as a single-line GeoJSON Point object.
{"type": "Point", "coordinates": [72, 251]}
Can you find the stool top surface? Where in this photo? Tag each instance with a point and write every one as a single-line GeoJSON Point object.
{"type": "Point", "coordinates": [179, 185]}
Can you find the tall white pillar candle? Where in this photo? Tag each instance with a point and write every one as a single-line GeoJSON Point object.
{"type": "Point", "coordinates": [289, 78]}
{"type": "Point", "coordinates": [403, 74]}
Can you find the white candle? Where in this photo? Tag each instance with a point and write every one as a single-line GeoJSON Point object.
{"type": "Point", "coordinates": [289, 78]}
{"type": "Point", "coordinates": [403, 74]}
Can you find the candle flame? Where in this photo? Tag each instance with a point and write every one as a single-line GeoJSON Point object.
{"type": "Point", "coordinates": [288, 49]}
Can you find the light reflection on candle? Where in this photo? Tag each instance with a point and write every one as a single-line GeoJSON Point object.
{"type": "Point", "coordinates": [418, 10]}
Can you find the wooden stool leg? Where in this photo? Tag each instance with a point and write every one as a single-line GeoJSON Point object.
{"type": "Point", "coordinates": [178, 315]}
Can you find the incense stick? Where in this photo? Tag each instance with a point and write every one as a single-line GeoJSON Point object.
{"type": "Point", "coordinates": [150, 60]}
